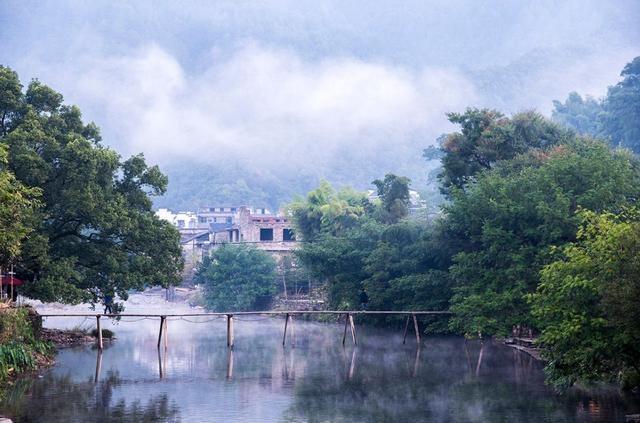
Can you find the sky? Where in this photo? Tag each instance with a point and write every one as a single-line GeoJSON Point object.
{"type": "Point", "coordinates": [290, 84]}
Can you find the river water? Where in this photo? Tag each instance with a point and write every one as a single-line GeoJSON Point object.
{"type": "Point", "coordinates": [197, 379]}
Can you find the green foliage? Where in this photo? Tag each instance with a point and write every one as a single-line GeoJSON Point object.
{"type": "Point", "coordinates": [339, 261]}
{"type": "Point", "coordinates": [237, 278]}
{"type": "Point", "coordinates": [488, 137]}
{"type": "Point", "coordinates": [580, 114]}
{"type": "Point", "coordinates": [394, 193]}
{"type": "Point", "coordinates": [399, 262]}
{"type": "Point", "coordinates": [615, 118]}
{"type": "Point", "coordinates": [505, 223]}
{"type": "Point", "coordinates": [326, 211]}
{"type": "Point", "coordinates": [621, 117]}
{"type": "Point", "coordinates": [586, 303]}
{"type": "Point", "coordinates": [95, 232]}
{"type": "Point", "coordinates": [18, 344]}
{"type": "Point", "coordinates": [16, 358]}
{"type": "Point", "coordinates": [17, 206]}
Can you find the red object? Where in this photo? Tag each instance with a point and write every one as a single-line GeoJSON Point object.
{"type": "Point", "coordinates": [6, 280]}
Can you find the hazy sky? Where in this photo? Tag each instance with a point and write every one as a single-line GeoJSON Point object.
{"type": "Point", "coordinates": [301, 81]}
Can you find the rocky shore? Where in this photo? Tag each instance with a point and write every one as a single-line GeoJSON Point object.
{"type": "Point", "coordinates": [66, 338]}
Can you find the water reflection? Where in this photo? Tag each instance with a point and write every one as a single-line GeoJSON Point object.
{"type": "Point", "coordinates": [197, 378]}
{"type": "Point", "coordinates": [61, 399]}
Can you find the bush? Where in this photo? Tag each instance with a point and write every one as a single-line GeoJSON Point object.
{"type": "Point", "coordinates": [19, 347]}
{"type": "Point", "coordinates": [237, 278]}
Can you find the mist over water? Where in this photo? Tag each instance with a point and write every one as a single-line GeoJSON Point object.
{"type": "Point", "coordinates": [198, 379]}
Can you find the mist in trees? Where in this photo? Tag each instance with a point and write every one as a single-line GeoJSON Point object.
{"type": "Point", "coordinates": [614, 117]}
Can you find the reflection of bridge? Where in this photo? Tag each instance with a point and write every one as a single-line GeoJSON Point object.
{"type": "Point", "coordinates": [288, 315]}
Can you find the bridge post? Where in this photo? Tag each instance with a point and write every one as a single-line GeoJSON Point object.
{"type": "Point", "coordinates": [230, 331]}
{"type": "Point", "coordinates": [415, 327]}
{"type": "Point", "coordinates": [99, 332]}
{"type": "Point", "coordinates": [230, 363]}
{"type": "Point", "coordinates": [353, 329]}
{"type": "Point", "coordinates": [165, 335]}
{"type": "Point", "coordinates": [162, 318]}
{"type": "Point", "coordinates": [406, 329]}
{"type": "Point", "coordinates": [98, 366]}
{"type": "Point", "coordinates": [346, 323]}
{"type": "Point", "coordinates": [286, 321]}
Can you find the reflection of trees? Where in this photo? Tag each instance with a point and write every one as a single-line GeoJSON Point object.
{"type": "Point", "coordinates": [503, 386]}
{"type": "Point", "coordinates": [60, 399]}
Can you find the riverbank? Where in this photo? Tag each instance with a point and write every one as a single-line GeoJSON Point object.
{"type": "Point", "coordinates": [22, 351]}
{"type": "Point", "coordinates": [66, 338]}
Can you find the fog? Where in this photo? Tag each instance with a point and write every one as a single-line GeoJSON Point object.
{"type": "Point", "coordinates": [342, 91]}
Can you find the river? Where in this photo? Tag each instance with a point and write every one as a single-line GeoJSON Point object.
{"type": "Point", "coordinates": [197, 379]}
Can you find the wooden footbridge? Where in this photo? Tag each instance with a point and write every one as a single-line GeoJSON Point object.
{"type": "Point", "coordinates": [412, 316]}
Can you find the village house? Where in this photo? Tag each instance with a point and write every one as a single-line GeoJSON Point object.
{"type": "Point", "coordinates": [211, 227]}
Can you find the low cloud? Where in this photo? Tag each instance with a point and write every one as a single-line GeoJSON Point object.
{"type": "Point", "coordinates": [263, 104]}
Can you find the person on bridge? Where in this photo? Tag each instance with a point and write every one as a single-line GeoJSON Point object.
{"type": "Point", "coordinates": [108, 304]}
{"type": "Point", "coordinates": [364, 299]}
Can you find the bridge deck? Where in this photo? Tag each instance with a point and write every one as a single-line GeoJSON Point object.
{"type": "Point", "coordinates": [245, 313]}
{"type": "Point", "coordinates": [229, 317]}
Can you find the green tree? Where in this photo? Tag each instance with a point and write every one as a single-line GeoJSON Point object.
{"type": "Point", "coordinates": [17, 207]}
{"type": "Point", "coordinates": [621, 117]}
{"type": "Point", "coordinates": [394, 196]}
{"type": "Point", "coordinates": [586, 303]}
{"type": "Point", "coordinates": [583, 115]}
{"type": "Point", "coordinates": [339, 260]}
{"type": "Point", "coordinates": [504, 224]}
{"type": "Point", "coordinates": [95, 232]}
{"type": "Point", "coordinates": [615, 118]}
{"type": "Point", "coordinates": [237, 278]}
{"type": "Point", "coordinates": [327, 211]}
{"type": "Point", "coordinates": [488, 137]}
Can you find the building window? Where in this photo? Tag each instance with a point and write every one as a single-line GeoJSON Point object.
{"type": "Point", "coordinates": [288, 235]}
{"type": "Point", "coordinates": [180, 223]}
{"type": "Point", "coordinates": [266, 234]}
{"type": "Point", "coordinates": [233, 209]}
{"type": "Point", "coordinates": [229, 220]}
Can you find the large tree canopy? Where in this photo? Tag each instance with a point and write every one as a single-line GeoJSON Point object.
{"type": "Point", "coordinates": [95, 233]}
{"type": "Point", "coordinates": [488, 137]}
{"type": "Point", "coordinates": [505, 223]}
{"type": "Point", "coordinates": [17, 205]}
